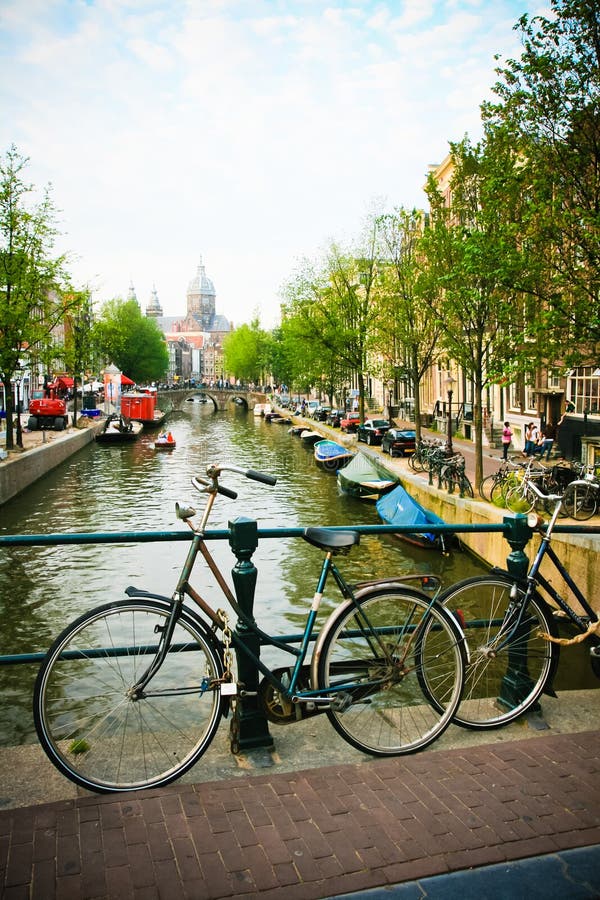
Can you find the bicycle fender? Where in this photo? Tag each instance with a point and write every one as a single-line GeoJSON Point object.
{"type": "Point", "coordinates": [132, 591]}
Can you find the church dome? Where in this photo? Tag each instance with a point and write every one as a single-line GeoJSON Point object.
{"type": "Point", "coordinates": [201, 284]}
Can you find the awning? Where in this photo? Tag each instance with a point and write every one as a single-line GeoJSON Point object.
{"type": "Point", "coordinates": [126, 380]}
{"type": "Point", "coordinates": [64, 381]}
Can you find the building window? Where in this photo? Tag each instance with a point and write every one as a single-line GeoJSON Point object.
{"type": "Point", "coordinates": [583, 389]}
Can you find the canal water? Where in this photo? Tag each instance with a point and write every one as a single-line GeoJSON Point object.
{"type": "Point", "coordinates": [135, 488]}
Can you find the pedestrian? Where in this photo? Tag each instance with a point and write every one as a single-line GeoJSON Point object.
{"type": "Point", "coordinates": [548, 442]}
{"type": "Point", "coordinates": [534, 438]}
{"type": "Point", "coordinates": [506, 439]}
{"type": "Point", "coordinates": [528, 445]}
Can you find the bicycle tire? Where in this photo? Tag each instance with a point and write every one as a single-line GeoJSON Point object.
{"type": "Point", "coordinates": [97, 735]}
{"type": "Point", "coordinates": [415, 462]}
{"type": "Point", "coordinates": [579, 502]}
{"type": "Point", "coordinates": [384, 712]}
{"type": "Point", "coordinates": [486, 487]}
{"type": "Point", "coordinates": [495, 693]}
{"type": "Point", "coordinates": [520, 499]}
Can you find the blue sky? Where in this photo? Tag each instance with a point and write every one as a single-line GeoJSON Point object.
{"type": "Point", "coordinates": [250, 132]}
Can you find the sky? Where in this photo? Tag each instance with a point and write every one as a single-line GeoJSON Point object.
{"type": "Point", "coordinates": [247, 134]}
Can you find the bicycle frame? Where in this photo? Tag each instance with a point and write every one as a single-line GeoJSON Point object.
{"type": "Point", "coordinates": [535, 578]}
{"type": "Point", "coordinates": [289, 691]}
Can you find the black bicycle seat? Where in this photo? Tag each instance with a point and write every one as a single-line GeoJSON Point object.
{"type": "Point", "coordinates": [328, 539]}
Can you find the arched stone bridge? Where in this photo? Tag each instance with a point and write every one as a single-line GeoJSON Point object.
{"type": "Point", "coordinates": [221, 398]}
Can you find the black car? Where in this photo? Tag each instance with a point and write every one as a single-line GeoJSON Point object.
{"type": "Point", "coordinates": [372, 431]}
{"type": "Point", "coordinates": [399, 441]}
{"type": "Point", "coordinates": [321, 412]}
{"type": "Point", "coordinates": [335, 417]}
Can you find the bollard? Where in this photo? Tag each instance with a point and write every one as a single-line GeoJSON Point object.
{"type": "Point", "coordinates": [517, 683]}
{"type": "Point", "coordinates": [243, 540]}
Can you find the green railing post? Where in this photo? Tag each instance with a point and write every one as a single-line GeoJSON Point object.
{"type": "Point", "coordinates": [243, 540]}
{"type": "Point", "coordinates": [517, 682]}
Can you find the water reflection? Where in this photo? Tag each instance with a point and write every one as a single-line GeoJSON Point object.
{"type": "Point", "coordinates": [133, 488]}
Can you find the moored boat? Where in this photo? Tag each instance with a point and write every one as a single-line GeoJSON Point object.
{"type": "Point", "coordinates": [331, 456]}
{"type": "Point", "coordinates": [140, 406]}
{"type": "Point", "coordinates": [119, 430]}
{"type": "Point", "coordinates": [363, 479]}
{"type": "Point", "coordinates": [399, 508]}
{"type": "Point", "coordinates": [165, 441]}
{"type": "Point", "coordinates": [310, 437]}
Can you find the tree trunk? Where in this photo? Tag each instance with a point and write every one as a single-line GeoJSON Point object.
{"type": "Point", "coordinates": [8, 398]}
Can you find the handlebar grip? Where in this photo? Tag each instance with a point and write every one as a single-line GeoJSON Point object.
{"type": "Point", "coordinates": [227, 492]}
{"type": "Point", "coordinates": [261, 476]}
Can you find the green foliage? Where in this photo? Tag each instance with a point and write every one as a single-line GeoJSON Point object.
{"type": "Point", "coordinates": [31, 278]}
{"type": "Point", "coordinates": [133, 342]}
{"type": "Point", "coordinates": [548, 106]}
{"type": "Point", "coordinates": [246, 352]}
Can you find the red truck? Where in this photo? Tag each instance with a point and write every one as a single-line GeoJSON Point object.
{"type": "Point", "coordinates": [47, 410]}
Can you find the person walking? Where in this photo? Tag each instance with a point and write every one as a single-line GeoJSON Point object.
{"type": "Point", "coordinates": [506, 440]}
{"type": "Point", "coordinates": [528, 445]}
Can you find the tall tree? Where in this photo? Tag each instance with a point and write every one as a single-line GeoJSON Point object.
{"type": "Point", "coordinates": [246, 352]}
{"type": "Point", "coordinates": [410, 320]}
{"type": "Point", "coordinates": [78, 346]}
{"type": "Point", "coordinates": [549, 103]}
{"type": "Point", "coordinates": [133, 342]}
{"type": "Point", "coordinates": [31, 304]}
{"type": "Point", "coordinates": [475, 247]}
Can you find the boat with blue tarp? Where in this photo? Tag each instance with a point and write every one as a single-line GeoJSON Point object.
{"type": "Point", "coordinates": [399, 508]}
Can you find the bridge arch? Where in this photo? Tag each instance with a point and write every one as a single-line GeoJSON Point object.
{"type": "Point", "coordinates": [219, 397]}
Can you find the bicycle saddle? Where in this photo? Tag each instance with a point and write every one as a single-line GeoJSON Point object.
{"type": "Point", "coordinates": [327, 539]}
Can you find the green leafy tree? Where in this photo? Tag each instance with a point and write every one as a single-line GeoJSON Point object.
{"type": "Point", "coordinates": [31, 302]}
{"type": "Point", "coordinates": [476, 250]}
{"type": "Point", "coordinates": [410, 320]}
{"type": "Point", "coordinates": [78, 347]}
{"type": "Point", "coordinates": [334, 310]}
{"type": "Point", "coordinates": [133, 342]}
{"type": "Point", "coordinates": [246, 352]}
{"type": "Point", "coordinates": [549, 106]}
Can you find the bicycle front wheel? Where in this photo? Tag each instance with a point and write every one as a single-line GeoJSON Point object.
{"type": "Point", "coordinates": [373, 660]}
{"type": "Point", "coordinates": [89, 724]}
{"type": "Point", "coordinates": [509, 664]}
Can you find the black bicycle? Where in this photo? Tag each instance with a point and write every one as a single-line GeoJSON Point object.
{"type": "Point", "coordinates": [512, 635]}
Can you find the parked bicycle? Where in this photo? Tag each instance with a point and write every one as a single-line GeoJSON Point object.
{"type": "Point", "coordinates": [454, 478]}
{"type": "Point", "coordinates": [512, 634]}
{"type": "Point", "coordinates": [130, 695]}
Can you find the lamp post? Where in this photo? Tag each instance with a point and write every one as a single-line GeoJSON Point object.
{"type": "Point", "coordinates": [450, 382]}
{"type": "Point", "coordinates": [17, 378]}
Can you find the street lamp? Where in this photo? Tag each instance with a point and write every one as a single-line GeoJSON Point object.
{"type": "Point", "coordinates": [17, 378]}
{"type": "Point", "coordinates": [450, 382]}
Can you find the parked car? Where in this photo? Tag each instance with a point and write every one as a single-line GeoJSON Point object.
{"type": "Point", "coordinates": [335, 417]}
{"type": "Point", "coordinates": [398, 441]}
{"type": "Point", "coordinates": [350, 423]}
{"type": "Point", "coordinates": [310, 408]}
{"type": "Point", "coordinates": [321, 412]}
{"type": "Point", "coordinates": [372, 430]}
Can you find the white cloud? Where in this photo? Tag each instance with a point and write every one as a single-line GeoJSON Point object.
{"type": "Point", "coordinates": [243, 130]}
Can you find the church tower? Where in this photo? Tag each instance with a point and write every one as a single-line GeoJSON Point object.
{"type": "Point", "coordinates": [154, 309]}
{"type": "Point", "coordinates": [201, 298]}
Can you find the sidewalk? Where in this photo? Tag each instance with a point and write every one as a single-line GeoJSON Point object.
{"type": "Point", "coordinates": [418, 826]}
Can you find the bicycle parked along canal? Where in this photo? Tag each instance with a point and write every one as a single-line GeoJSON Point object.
{"type": "Point", "coordinates": [511, 631]}
{"type": "Point", "coordinates": [131, 694]}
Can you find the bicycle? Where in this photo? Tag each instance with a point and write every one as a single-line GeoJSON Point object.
{"type": "Point", "coordinates": [131, 694]}
{"type": "Point", "coordinates": [581, 495]}
{"type": "Point", "coordinates": [512, 636]}
{"type": "Point", "coordinates": [453, 476]}
{"type": "Point", "coordinates": [493, 485]}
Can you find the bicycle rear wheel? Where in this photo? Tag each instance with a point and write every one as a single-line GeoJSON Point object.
{"type": "Point", "coordinates": [502, 681]}
{"type": "Point", "coordinates": [579, 501]}
{"type": "Point", "coordinates": [373, 658]}
{"type": "Point", "coordinates": [89, 725]}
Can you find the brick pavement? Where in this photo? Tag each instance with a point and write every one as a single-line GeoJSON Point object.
{"type": "Point", "coordinates": [312, 834]}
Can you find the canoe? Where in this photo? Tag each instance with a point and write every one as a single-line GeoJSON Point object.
{"type": "Point", "coordinates": [165, 441]}
{"type": "Point", "coordinates": [331, 456]}
{"type": "Point", "coordinates": [399, 508]}
{"type": "Point", "coordinates": [310, 437]}
{"type": "Point", "coordinates": [363, 479]}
